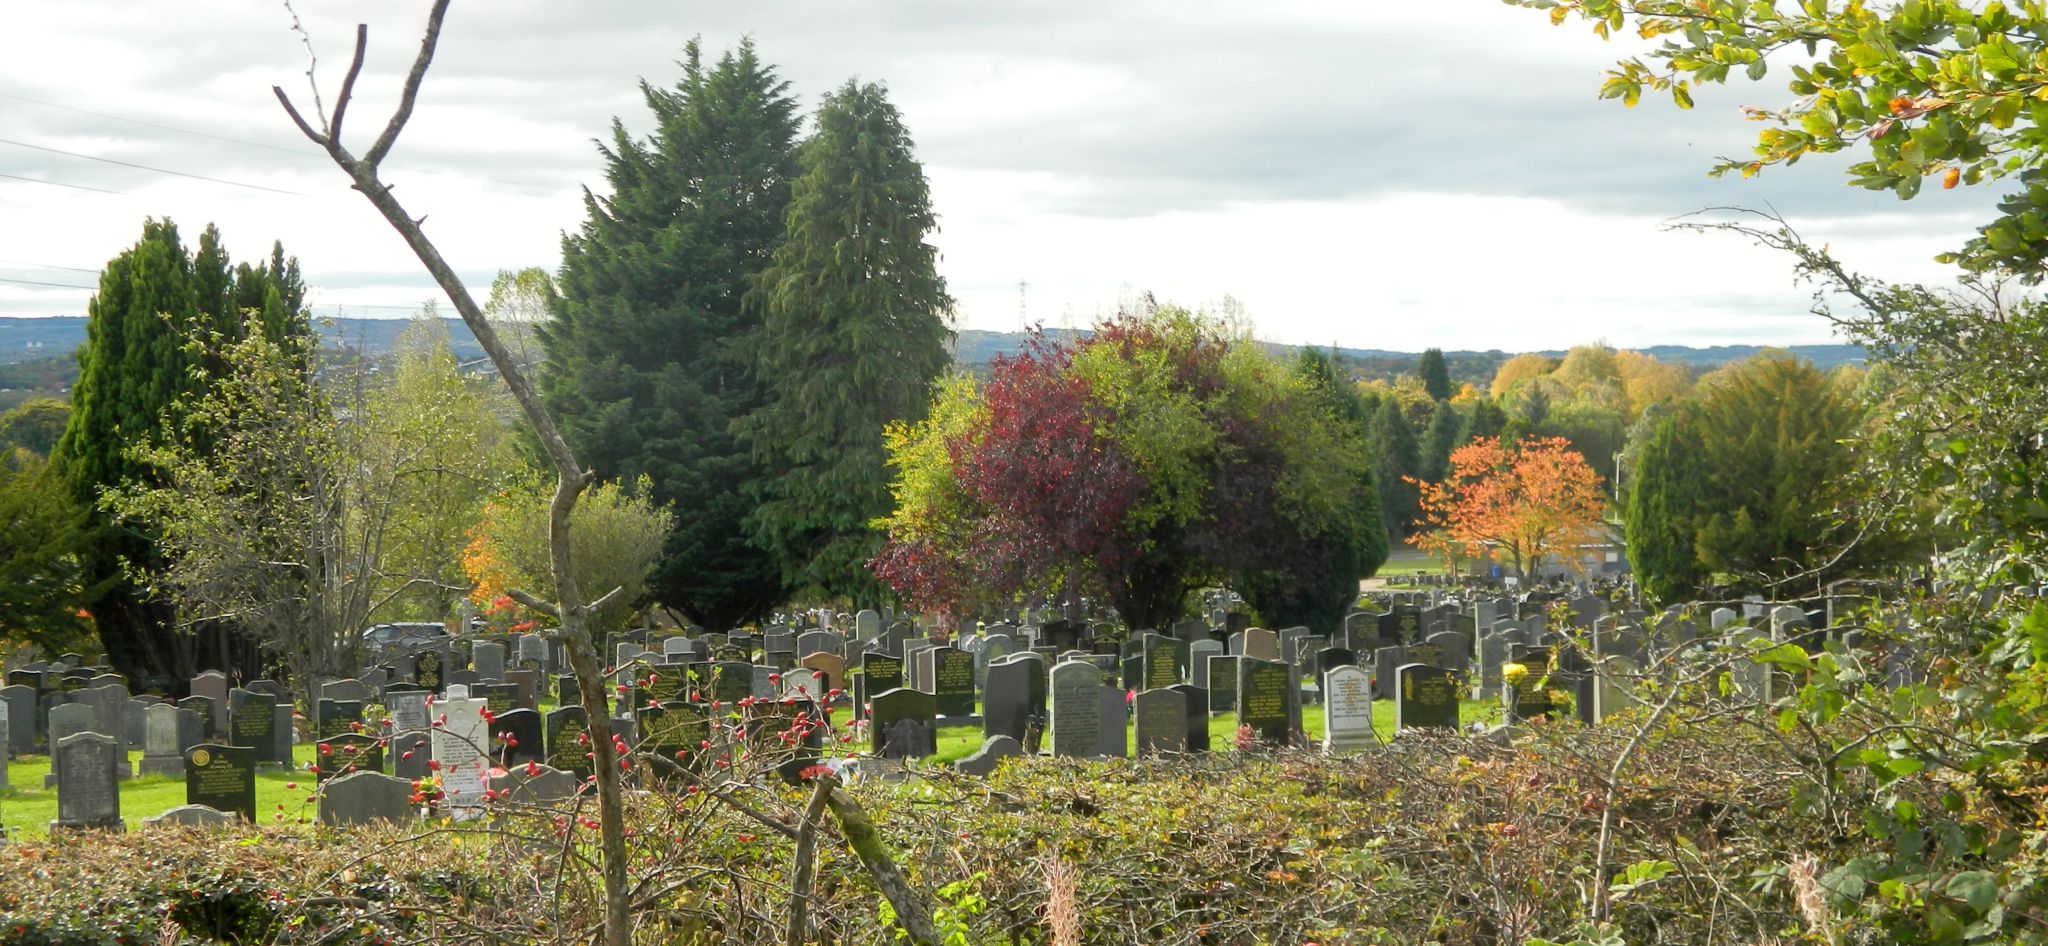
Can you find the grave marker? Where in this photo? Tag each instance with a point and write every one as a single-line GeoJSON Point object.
{"type": "Point", "coordinates": [88, 795]}
{"type": "Point", "coordinates": [1263, 688]}
{"type": "Point", "coordinates": [1076, 722]}
{"type": "Point", "coordinates": [1347, 710]}
{"type": "Point", "coordinates": [222, 778]}
{"type": "Point", "coordinates": [1162, 721]}
{"type": "Point", "coordinates": [366, 798]}
{"type": "Point", "coordinates": [1427, 698]}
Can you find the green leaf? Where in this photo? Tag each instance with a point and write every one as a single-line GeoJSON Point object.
{"type": "Point", "coordinates": [1756, 69]}
{"type": "Point", "coordinates": [1977, 888]}
{"type": "Point", "coordinates": [2007, 110]}
{"type": "Point", "coordinates": [1789, 657]}
{"type": "Point", "coordinates": [1846, 882]}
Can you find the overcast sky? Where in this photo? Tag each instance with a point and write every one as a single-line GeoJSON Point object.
{"type": "Point", "coordinates": [1371, 173]}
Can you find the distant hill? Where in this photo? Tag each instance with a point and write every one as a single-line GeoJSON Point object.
{"type": "Point", "coordinates": [979, 347]}
{"type": "Point", "coordinates": [36, 354]}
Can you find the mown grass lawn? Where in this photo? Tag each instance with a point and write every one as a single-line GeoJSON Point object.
{"type": "Point", "coordinates": [27, 808]}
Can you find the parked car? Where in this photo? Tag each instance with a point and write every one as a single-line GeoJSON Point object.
{"type": "Point", "coordinates": [397, 638]}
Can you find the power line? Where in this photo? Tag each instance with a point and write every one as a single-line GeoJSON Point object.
{"type": "Point", "coordinates": [37, 180]}
{"type": "Point", "coordinates": [75, 269]}
{"type": "Point", "coordinates": [137, 121]}
{"type": "Point", "coordinates": [56, 285]}
{"type": "Point", "coordinates": [145, 167]}
{"type": "Point", "coordinates": [296, 152]}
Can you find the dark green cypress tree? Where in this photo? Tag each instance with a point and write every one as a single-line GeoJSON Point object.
{"type": "Point", "coordinates": [1663, 500]}
{"type": "Point", "coordinates": [1438, 440]}
{"type": "Point", "coordinates": [1484, 419]}
{"type": "Point", "coordinates": [856, 331]}
{"type": "Point", "coordinates": [646, 366]}
{"type": "Point", "coordinates": [1391, 442]}
{"type": "Point", "coordinates": [133, 369]}
{"type": "Point", "coordinates": [1436, 374]}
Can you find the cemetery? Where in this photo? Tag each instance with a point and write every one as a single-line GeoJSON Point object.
{"type": "Point", "coordinates": [1510, 702]}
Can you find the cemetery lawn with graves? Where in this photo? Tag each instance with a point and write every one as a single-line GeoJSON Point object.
{"type": "Point", "coordinates": [286, 794]}
{"type": "Point", "coordinates": [27, 808]}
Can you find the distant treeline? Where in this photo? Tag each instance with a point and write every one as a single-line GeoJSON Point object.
{"type": "Point", "coordinates": [36, 354]}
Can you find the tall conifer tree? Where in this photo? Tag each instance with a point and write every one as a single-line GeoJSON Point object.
{"type": "Point", "coordinates": [646, 367]}
{"type": "Point", "coordinates": [856, 332]}
{"type": "Point", "coordinates": [1391, 443]}
{"type": "Point", "coordinates": [1436, 374]}
{"type": "Point", "coordinates": [133, 368]}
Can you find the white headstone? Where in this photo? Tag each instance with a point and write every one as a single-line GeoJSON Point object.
{"type": "Point", "coordinates": [461, 745]}
{"type": "Point", "coordinates": [1347, 710]}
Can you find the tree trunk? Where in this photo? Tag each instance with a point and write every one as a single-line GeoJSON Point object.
{"type": "Point", "coordinates": [570, 478]}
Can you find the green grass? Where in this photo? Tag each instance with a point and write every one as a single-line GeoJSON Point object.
{"type": "Point", "coordinates": [1409, 562]}
{"type": "Point", "coordinates": [26, 808]}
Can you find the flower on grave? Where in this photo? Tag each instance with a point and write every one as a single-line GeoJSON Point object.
{"type": "Point", "coordinates": [1513, 673]}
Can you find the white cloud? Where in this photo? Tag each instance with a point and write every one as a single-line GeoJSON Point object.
{"type": "Point", "coordinates": [1373, 174]}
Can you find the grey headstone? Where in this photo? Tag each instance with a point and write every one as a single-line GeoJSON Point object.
{"type": "Point", "coordinates": [537, 786]}
{"type": "Point", "coordinates": [1162, 721]}
{"type": "Point", "coordinates": [213, 685]}
{"type": "Point", "coordinates": [488, 658]}
{"type": "Point", "coordinates": [170, 732]}
{"type": "Point", "coordinates": [88, 795]}
{"type": "Point", "coordinates": [993, 750]}
{"type": "Point", "coordinates": [1075, 725]}
{"type": "Point", "coordinates": [1114, 714]}
{"type": "Point", "coordinates": [191, 816]}
{"type": "Point", "coordinates": [21, 718]}
{"type": "Point", "coordinates": [365, 798]}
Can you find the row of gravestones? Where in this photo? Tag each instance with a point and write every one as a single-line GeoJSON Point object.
{"type": "Point", "coordinates": [220, 786]}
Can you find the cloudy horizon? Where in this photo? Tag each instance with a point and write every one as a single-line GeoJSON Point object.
{"type": "Point", "coordinates": [1394, 177]}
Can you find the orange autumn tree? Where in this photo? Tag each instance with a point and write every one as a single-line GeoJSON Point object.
{"type": "Point", "coordinates": [1522, 504]}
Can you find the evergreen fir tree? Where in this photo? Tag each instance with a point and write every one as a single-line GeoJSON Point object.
{"type": "Point", "coordinates": [1484, 419]}
{"type": "Point", "coordinates": [647, 370]}
{"type": "Point", "coordinates": [1391, 442]}
{"type": "Point", "coordinates": [133, 369]}
{"type": "Point", "coordinates": [856, 331]}
{"type": "Point", "coordinates": [1438, 440]}
{"type": "Point", "coordinates": [1436, 375]}
{"type": "Point", "coordinates": [1663, 503]}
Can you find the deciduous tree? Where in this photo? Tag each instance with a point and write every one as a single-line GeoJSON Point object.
{"type": "Point", "coordinates": [43, 589]}
{"type": "Point", "coordinates": [35, 425]}
{"type": "Point", "coordinates": [1929, 89]}
{"type": "Point", "coordinates": [618, 534]}
{"type": "Point", "coordinates": [1526, 504]}
{"type": "Point", "coordinates": [1152, 457]}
